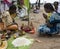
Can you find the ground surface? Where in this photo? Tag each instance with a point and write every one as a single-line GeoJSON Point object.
{"type": "Point", "coordinates": [46, 42]}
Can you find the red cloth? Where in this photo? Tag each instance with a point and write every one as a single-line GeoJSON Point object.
{"type": "Point", "coordinates": [32, 31]}
{"type": "Point", "coordinates": [28, 30]}
{"type": "Point", "coordinates": [6, 1]}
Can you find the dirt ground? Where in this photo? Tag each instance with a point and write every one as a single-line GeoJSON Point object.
{"type": "Point", "coordinates": [46, 42]}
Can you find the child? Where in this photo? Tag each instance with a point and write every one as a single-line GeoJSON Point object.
{"type": "Point", "coordinates": [8, 18]}
{"type": "Point", "coordinates": [48, 10]}
{"type": "Point", "coordinates": [48, 28]}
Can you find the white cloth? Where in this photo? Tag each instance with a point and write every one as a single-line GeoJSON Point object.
{"type": "Point", "coordinates": [2, 8]}
{"type": "Point", "coordinates": [21, 42]}
{"type": "Point", "coordinates": [33, 1]}
{"type": "Point", "coordinates": [6, 7]}
{"type": "Point", "coordinates": [58, 8]}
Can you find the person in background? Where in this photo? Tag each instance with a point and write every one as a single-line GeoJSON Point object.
{"type": "Point", "coordinates": [7, 2]}
{"type": "Point", "coordinates": [8, 18]}
{"type": "Point", "coordinates": [56, 5]}
{"type": "Point", "coordinates": [2, 7]}
{"type": "Point", "coordinates": [58, 10]}
{"type": "Point", "coordinates": [34, 6]}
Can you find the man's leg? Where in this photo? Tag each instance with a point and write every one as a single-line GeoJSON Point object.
{"type": "Point", "coordinates": [12, 27]}
{"type": "Point", "coordinates": [43, 29]}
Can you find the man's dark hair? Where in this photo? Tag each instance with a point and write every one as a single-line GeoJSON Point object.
{"type": "Point", "coordinates": [49, 6]}
{"type": "Point", "coordinates": [12, 9]}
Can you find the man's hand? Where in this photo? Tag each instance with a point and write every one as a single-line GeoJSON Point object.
{"type": "Point", "coordinates": [45, 16]}
{"type": "Point", "coordinates": [49, 25]}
